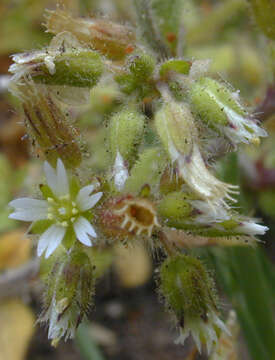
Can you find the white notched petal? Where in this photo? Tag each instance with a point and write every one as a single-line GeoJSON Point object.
{"type": "Point", "coordinates": [27, 203]}
{"type": "Point", "coordinates": [55, 240]}
{"type": "Point", "coordinates": [62, 179]}
{"type": "Point", "coordinates": [82, 236]}
{"type": "Point", "coordinates": [29, 214]}
{"type": "Point", "coordinates": [44, 239]}
{"type": "Point", "coordinates": [50, 240]}
{"type": "Point", "coordinates": [82, 228]}
{"type": "Point", "coordinates": [51, 177]}
{"type": "Point", "coordinates": [87, 227]}
{"type": "Point", "coordinates": [84, 193]}
{"type": "Point", "coordinates": [90, 201]}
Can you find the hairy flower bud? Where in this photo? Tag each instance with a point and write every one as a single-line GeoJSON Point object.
{"type": "Point", "coordinates": [125, 133]}
{"type": "Point", "coordinates": [141, 65]}
{"type": "Point", "coordinates": [70, 286]}
{"type": "Point", "coordinates": [177, 130]}
{"type": "Point", "coordinates": [221, 110]}
{"type": "Point", "coordinates": [64, 62]}
{"type": "Point", "coordinates": [183, 211]}
{"type": "Point", "coordinates": [137, 77]}
{"type": "Point", "coordinates": [190, 294]}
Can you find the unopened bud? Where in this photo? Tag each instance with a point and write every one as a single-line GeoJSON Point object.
{"type": "Point", "coordinates": [176, 128]}
{"type": "Point", "coordinates": [138, 75]}
{"type": "Point", "coordinates": [183, 211]}
{"type": "Point", "coordinates": [221, 110]}
{"type": "Point", "coordinates": [68, 296]}
{"type": "Point", "coordinates": [82, 69]}
{"type": "Point", "coordinates": [64, 62]}
{"type": "Point", "coordinates": [190, 294]}
{"type": "Point", "coordinates": [141, 65]}
{"type": "Point", "coordinates": [178, 132]}
{"type": "Point", "coordinates": [125, 132]}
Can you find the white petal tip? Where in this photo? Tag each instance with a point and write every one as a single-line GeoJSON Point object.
{"type": "Point", "coordinates": [39, 253]}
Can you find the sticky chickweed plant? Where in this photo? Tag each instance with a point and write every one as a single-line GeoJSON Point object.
{"type": "Point", "coordinates": [165, 123]}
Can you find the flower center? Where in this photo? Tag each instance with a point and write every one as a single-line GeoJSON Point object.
{"type": "Point", "coordinates": [63, 211]}
{"type": "Point", "coordinates": [139, 215]}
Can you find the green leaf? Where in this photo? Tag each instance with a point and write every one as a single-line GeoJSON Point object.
{"type": "Point", "coordinates": [242, 275]}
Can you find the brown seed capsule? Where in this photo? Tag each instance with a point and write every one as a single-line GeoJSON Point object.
{"type": "Point", "coordinates": [112, 40]}
{"type": "Point", "coordinates": [128, 216]}
{"type": "Point", "coordinates": [48, 125]}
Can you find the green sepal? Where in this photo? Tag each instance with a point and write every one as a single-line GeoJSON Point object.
{"type": "Point", "coordinates": [46, 265]}
{"type": "Point", "coordinates": [175, 206]}
{"type": "Point", "coordinates": [127, 82]}
{"type": "Point", "coordinates": [74, 187]}
{"type": "Point", "coordinates": [141, 65]}
{"type": "Point", "coordinates": [214, 230]}
{"type": "Point", "coordinates": [146, 171]}
{"type": "Point", "coordinates": [69, 238]}
{"type": "Point", "coordinates": [209, 98]}
{"type": "Point", "coordinates": [187, 287]}
{"type": "Point", "coordinates": [39, 226]}
{"type": "Point", "coordinates": [125, 132]}
{"type": "Point", "coordinates": [46, 191]}
{"type": "Point", "coordinates": [79, 69]}
{"type": "Point", "coordinates": [178, 66]}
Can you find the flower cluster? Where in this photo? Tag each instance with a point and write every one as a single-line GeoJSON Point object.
{"type": "Point", "coordinates": [166, 122]}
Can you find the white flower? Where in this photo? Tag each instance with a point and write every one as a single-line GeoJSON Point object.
{"type": "Point", "coordinates": [203, 332]}
{"type": "Point", "coordinates": [64, 211]}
